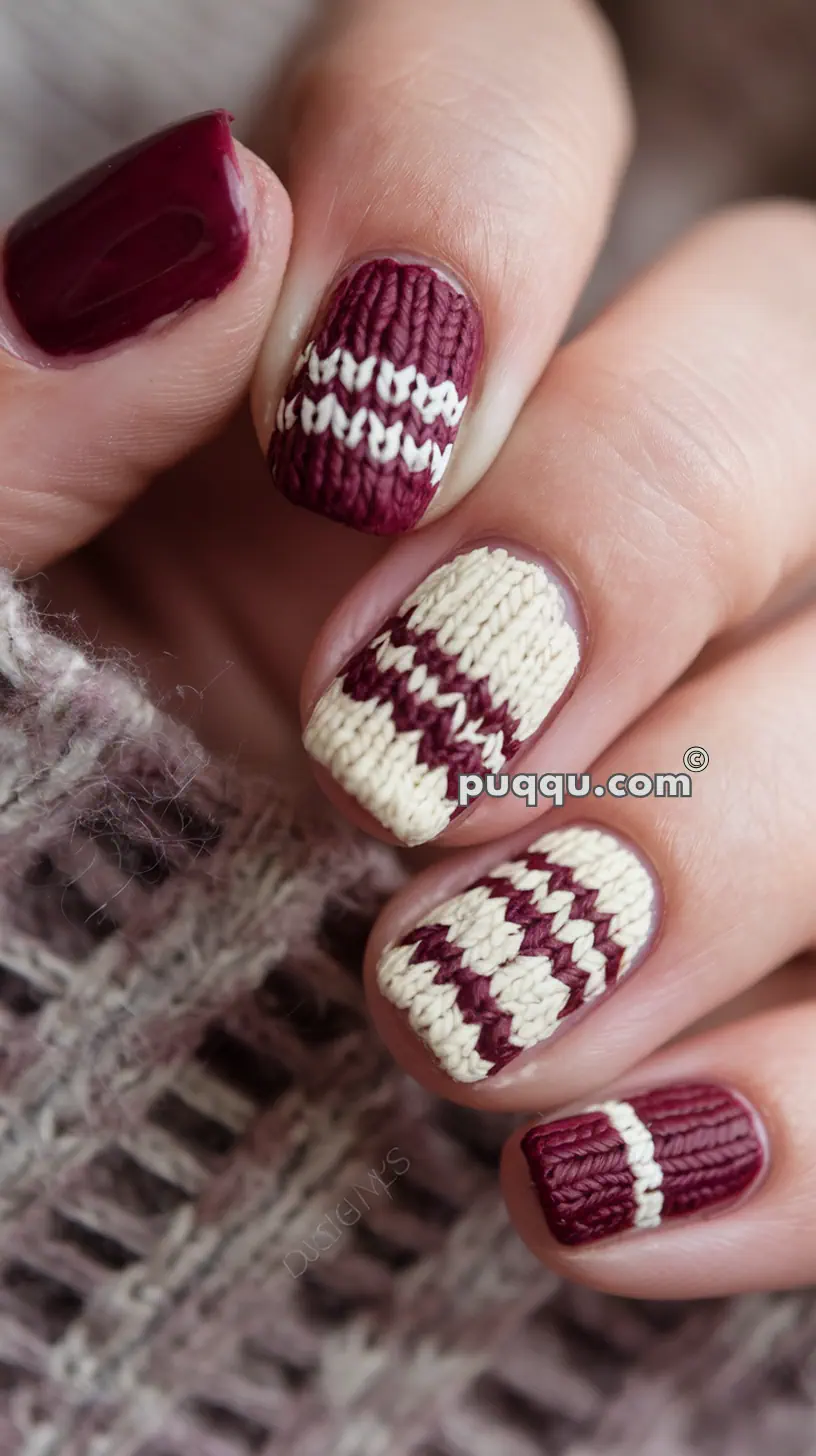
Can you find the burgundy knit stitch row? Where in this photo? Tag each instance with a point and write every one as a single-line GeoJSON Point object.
{"type": "Point", "coordinates": [403, 314]}
{"type": "Point", "coordinates": [539, 939]}
{"type": "Point", "coordinates": [474, 998]}
{"type": "Point", "coordinates": [706, 1146]}
{"type": "Point", "coordinates": [440, 745]}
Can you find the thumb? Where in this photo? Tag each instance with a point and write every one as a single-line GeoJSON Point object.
{"type": "Point", "coordinates": [134, 303]}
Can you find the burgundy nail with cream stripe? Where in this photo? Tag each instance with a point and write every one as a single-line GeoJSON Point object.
{"type": "Point", "coordinates": [637, 1164]}
{"type": "Point", "coordinates": [502, 966]}
{"type": "Point", "coordinates": [469, 667]}
{"type": "Point", "coordinates": [366, 428]}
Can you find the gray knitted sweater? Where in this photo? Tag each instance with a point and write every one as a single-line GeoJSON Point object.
{"type": "Point", "coordinates": [227, 1224]}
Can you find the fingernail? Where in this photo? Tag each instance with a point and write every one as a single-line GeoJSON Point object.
{"type": "Point", "coordinates": [472, 664]}
{"type": "Point", "coordinates": [505, 964]}
{"type": "Point", "coordinates": [635, 1165]}
{"type": "Point", "coordinates": [150, 231]}
{"type": "Point", "coordinates": [366, 428]}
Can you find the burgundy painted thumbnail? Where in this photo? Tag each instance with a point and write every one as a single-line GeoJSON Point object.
{"type": "Point", "coordinates": [146, 233]}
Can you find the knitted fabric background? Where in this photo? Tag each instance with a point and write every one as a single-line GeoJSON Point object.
{"type": "Point", "coordinates": [228, 1225]}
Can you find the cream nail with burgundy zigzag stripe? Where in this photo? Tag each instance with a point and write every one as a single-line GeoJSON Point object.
{"type": "Point", "coordinates": [471, 665]}
{"type": "Point", "coordinates": [500, 967]}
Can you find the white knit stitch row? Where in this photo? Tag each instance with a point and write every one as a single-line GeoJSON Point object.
{"type": "Point", "coordinates": [502, 620]}
{"type": "Point", "coordinates": [523, 987]}
{"type": "Point", "coordinates": [640, 1156]}
{"type": "Point", "coordinates": [385, 443]}
{"type": "Point", "coordinates": [393, 385]}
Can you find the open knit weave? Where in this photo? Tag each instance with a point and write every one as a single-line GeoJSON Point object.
{"type": "Point", "coordinates": [189, 1094]}
{"type": "Point", "coordinates": [228, 1225]}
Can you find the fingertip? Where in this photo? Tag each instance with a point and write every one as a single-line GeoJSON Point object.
{"type": "Point", "coordinates": [136, 298]}
{"type": "Point", "coordinates": [270, 212]}
{"type": "Point", "coordinates": [121, 252]}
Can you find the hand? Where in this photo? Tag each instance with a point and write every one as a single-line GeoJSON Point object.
{"type": "Point", "coordinates": [606, 509]}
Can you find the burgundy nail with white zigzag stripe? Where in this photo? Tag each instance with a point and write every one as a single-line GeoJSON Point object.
{"type": "Point", "coordinates": [366, 429]}
{"type": "Point", "coordinates": [659, 1156]}
{"type": "Point", "coordinates": [504, 965]}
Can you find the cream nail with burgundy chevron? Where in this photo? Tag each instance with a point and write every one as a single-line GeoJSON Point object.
{"type": "Point", "coordinates": [502, 966]}
{"type": "Point", "coordinates": [465, 672]}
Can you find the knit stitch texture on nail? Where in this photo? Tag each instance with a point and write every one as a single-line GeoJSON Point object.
{"type": "Point", "coordinates": [662, 1155]}
{"type": "Point", "coordinates": [365, 431]}
{"type": "Point", "coordinates": [471, 665]}
{"type": "Point", "coordinates": [502, 966]}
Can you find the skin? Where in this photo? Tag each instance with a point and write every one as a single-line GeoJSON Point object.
{"type": "Point", "coordinates": [663, 459]}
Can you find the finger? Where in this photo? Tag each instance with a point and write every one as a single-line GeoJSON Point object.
{"type": "Point", "coordinates": [697, 1177]}
{"type": "Point", "coordinates": [452, 171]}
{"type": "Point", "coordinates": [531, 974]}
{"type": "Point", "coordinates": [665, 465]}
{"type": "Point", "coordinates": [135, 302]}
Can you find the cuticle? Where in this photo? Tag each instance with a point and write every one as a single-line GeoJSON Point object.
{"type": "Point", "coordinates": [445, 271]}
{"type": "Point", "coordinates": [574, 597]}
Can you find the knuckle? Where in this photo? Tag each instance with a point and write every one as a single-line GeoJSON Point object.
{"type": "Point", "coordinates": [685, 482]}
{"type": "Point", "coordinates": [538, 107]}
{"type": "Point", "coordinates": [773, 223]}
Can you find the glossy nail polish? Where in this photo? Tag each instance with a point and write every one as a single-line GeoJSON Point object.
{"type": "Point", "coordinates": [472, 664]}
{"type": "Point", "coordinates": [504, 965]}
{"type": "Point", "coordinates": [663, 1155]}
{"type": "Point", "coordinates": [366, 429]}
{"type": "Point", "coordinates": [143, 235]}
